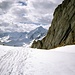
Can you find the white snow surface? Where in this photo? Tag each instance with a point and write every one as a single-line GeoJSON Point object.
{"type": "Point", "coordinates": [28, 61]}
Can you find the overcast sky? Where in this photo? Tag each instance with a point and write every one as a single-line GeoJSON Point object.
{"type": "Point", "coordinates": [27, 11]}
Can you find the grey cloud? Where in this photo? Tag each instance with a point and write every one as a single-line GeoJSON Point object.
{"type": "Point", "coordinates": [34, 11]}
{"type": "Point", "coordinates": [23, 20]}
{"type": "Point", "coordinates": [58, 1]}
{"type": "Point", "coordinates": [4, 5]}
{"type": "Point", "coordinates": [43, 4]}
{"type": "Point", "coordinates": [45, 19]}
{"type": "Point", "coordinates": [5, 24]}
{"type": "Point", "coordinates": [19, 12]}
{"type": "Point", "coordinates": [43, 7]}
{"type": "Point", "coordinates": [22, 3]}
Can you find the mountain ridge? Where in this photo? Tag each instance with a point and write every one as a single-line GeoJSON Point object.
{"type": "Point", "coordinates": [21, 38]}
{"type": "Point", "coordinates": [62, 30]}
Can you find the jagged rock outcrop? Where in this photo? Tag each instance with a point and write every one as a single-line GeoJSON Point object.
{"type": "Point", "coordinates": [62, 30]}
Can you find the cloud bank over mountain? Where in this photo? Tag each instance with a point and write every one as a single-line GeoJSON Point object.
{"type": "Point", "coordinates": [27, 11]}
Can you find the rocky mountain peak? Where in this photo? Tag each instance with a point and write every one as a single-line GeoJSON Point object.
{"type": "Point", "coordinates": [62, 30]}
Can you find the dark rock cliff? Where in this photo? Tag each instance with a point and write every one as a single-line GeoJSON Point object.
{"type": "Point", "coordinates": [62, 30]}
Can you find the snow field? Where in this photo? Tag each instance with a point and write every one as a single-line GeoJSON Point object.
{"type": "Point", "coordinates": [28, 61]}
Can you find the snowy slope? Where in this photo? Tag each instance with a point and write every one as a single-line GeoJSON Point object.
{"type": "Point", "coordinates": [27, 61]}
{"type": "Point", "coordinates": [21, 38]}
{"type": "Point", "coordinates": [37, 33]}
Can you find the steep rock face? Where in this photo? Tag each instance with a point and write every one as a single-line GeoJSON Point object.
{"type": "Point", "coordinates": [62, 30]}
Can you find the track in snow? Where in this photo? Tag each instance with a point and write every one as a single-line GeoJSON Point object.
{"type": "Point", "coordinates": [27, 61]}
{"type": "Point", "coordinates": [14, 62]}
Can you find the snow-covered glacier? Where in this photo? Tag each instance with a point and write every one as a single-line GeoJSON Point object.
{"type": "Point", "coordinates": [28, 61]}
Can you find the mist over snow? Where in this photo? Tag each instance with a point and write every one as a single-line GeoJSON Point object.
{"type": "Point", "coordinates": [17, 15]}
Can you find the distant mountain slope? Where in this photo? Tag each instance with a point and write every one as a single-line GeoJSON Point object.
{"type": "Point", "coordinates": [21, 38]}
{"type": "Point", "coordinates": [37, 33]}
{"type": "Point", "coordinates": [62, 30]}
